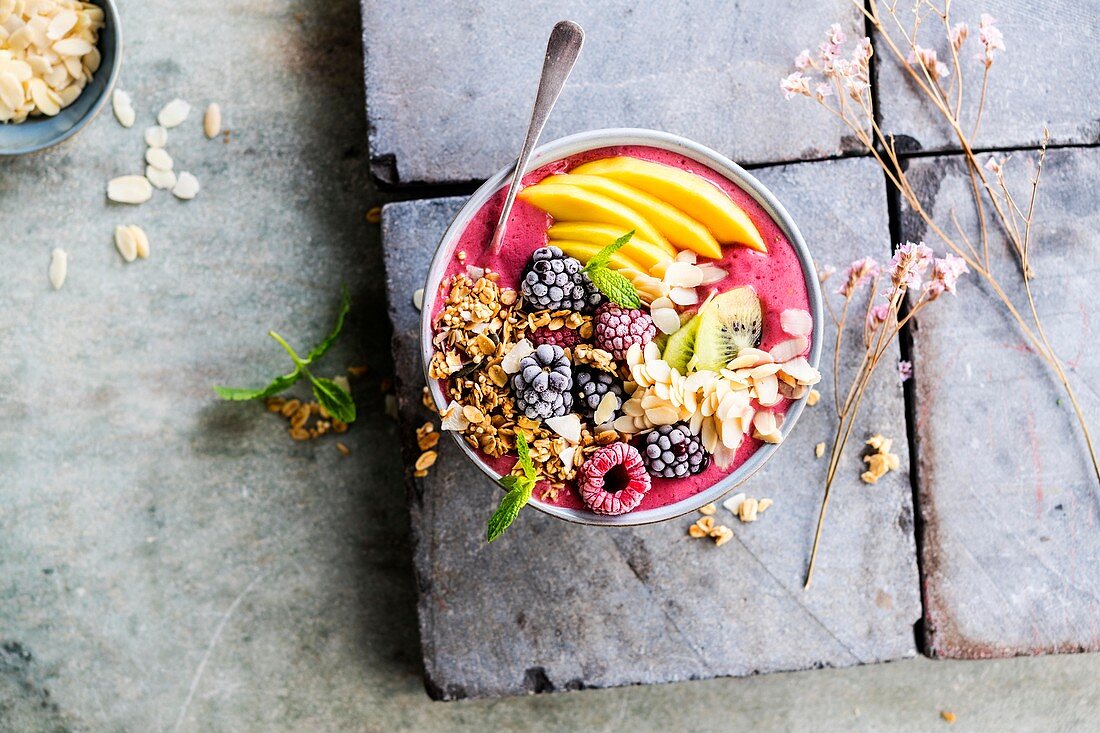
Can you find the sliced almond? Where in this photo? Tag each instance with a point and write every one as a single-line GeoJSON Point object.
{"type": "Point", "coordinates": [819, 450]}
{"type": "Point", "coordinates": [59, 268]}
{"type": "Point", "coordinates": [748, 358]}
{"type": "Point", "coordinates": [666, 319]}
{"type": "Point", "coordinates": [796, 322]}
{"type": "Point", "coordinates": [159, 159]}
{"type": "Point", "coordinates": [767, 390]}
{"type": "Point", "coordinates": [164, 180]}
{"type": "Point", "coordinates": [156, 136]}
{"type": "Point", "coordinates": [789, 349]}
{"type": "Point", "coordinates": [683, 275]}
{"type": "Point", "coordinates": [129, 190]}
{"type": "Point", "coordinates": [125, 243]}
{"type": "Point", "coordinates": [187, 187]}
{"type": "Point", "coordinates": [800, 369]}
{"type": "Point", "coordinates": [174, 113]}
{"type": "Point", "coordinates": [11, 90]}
{"type": "Point", "coordinates": [606, 408]}
{"type": "Point", "coordinates": [212, 121]}
{"type": "Point", "coordinates": [662, 415]}
{"type": "Point", "coordinates": [45, 99]}
{"type": "Point", "coordinates": [72, 47]}
{"type": "Point", "coordinates": [712, 274]}
{"type": "Point", "coordinates": [60, 25]}
{"type": "Point", "coordinates": [683, 296]}
{"type": "Point", "coordinates": [141, 241]}
{"type": "Point", "coordinates": [418, 298]}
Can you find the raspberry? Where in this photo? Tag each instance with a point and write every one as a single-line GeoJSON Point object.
{"type": "Point", "coordinates": [613, 480]}
{"type": "Point", "coordinates": [566, 338]}
{"type": "Point", "coordinates": [544, 383]}
{"type": "Point", "coordinates": [617, 329]}
{"type": "Point", "coordinates": [590, 386]}
{"type": "Point", "coordinates": [671, 451]}
{"type": "Point", "coordinates": [554, 281]}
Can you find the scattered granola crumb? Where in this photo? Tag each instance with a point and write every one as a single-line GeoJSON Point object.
{"type": "Point", "coordinates": [461, 255]}
{"type": "Point", "coordinates": [948, 716]}
{"type": "Point", "coordinates": [881, 462]}
{"type": "Point", "coordinates": [426, 399]}
{"type": "Point", "coordinates": [420, 474]}
{"type": "Point", "coordinates": [813, 397]}
{"type": "Point", "coordinates": [721, 534]}
{"type": "Point", "coordinates": [307, 420]}
{"type": "Point", "coordinates": [358, 372]}
{"type": "Point", "coordinates": [763, 505]}
{"type": "Point", "coordinates": [374, 214]}
{"type": "Point", "coordinates": [748, 510]}
{"type": "Point", "coordinates": [708, 509]}
{"type": "Point", "coordinates": [819, 450]}
{"type": "Point", "coordinates": [344, 450]}
{"type": "Point", "coordinates": [426, 460]}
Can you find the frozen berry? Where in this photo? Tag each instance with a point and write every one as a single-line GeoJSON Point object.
{"type": "Point", "coordinates": [543, 386]}
{"type": "Point", "coordinates": [566, 338]}
{"type": "Point", "coordinates": [671, 451]}
{"type": "Point", "coordinates": [617, 329]}
{"type": "Point", "coordinates": [613, 480]}
{"type": "Point", "coordinates": [590, 386]}
{"type": "Point", "coordinates": [553, 281]}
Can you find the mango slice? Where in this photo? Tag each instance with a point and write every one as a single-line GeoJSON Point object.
{"type": "Point", "coordinates": [572, 203]}
{"type": "Point", "coordinates": [677, 227]}
{"type": "Point", "coordinates": [686, 191]}
{"type": "Point", "coordinates": [644, 253]}
{"type": "Point", "coordinates": [584, 251]}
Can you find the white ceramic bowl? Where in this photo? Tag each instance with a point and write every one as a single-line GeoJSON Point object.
{"type": "Point", "coordinates": [579, 143]}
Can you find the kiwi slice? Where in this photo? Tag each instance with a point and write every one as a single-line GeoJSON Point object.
{"type": "Point", "coordinates": [729, 323]}
{"type": "Point", "coordinates": [681, 345]}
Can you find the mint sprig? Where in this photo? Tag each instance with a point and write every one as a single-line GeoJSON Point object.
{"type": "Point", "coordinates": [519, 490]}
{"type": "Point", "coordinates": [618, 289]}
{"type": "Point", "coordinates": [336, 401]}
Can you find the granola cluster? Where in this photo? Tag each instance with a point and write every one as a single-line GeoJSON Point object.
{"type": "Point", "coordinates": [479, 324]}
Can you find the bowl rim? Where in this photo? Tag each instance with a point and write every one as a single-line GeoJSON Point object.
{"type": "Point", "coordinates": [114, 27]}
{"type": "Point", "coordinates": [589, 140]}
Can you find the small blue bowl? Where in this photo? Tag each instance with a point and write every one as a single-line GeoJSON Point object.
{"type": "Point", "coordinates": [38, 133]}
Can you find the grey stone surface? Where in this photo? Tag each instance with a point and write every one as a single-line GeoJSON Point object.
{"type": "Point", "coordinates": [1008, 497]}
{"type": "Point", "coordinates": [555, 606]}
{"type": "Point", "coordinates": [1038, 82]}
{"type": "Point", "coordinates": [450, 85]}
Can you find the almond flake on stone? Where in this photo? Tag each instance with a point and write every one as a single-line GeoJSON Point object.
{"type": "Point", "coordinates": [174, 113]}
{"type": "Point", "coordinates": [123, 108]}
{"type": "Point", "coordinates": [212, 121]}
{"type": "Point", "coordinates": [141, 241]}
{"type": "Point", "coordinates": [733, 504]}
{"type": "Point", "coordinates": [567, 426]}
{"type": "Point", "coordinates": [187, 187]}
{"type": "Point", "coordinates": [796, 322]}
{"type": "Point", "coordinates": [418, 298]}
{"type": "Point", "coordinates": [786, 350]}
{"type": "Point", "coordinates": [59, 268]}
{"type": "Point", "coordinates": [666, 319]}
{"type": "Point", "coordinates": [159, 159]}
{"type": "Point", "coordinates": [129, 190]}
{"type": "Point", "coordinates": [511, 360]}
{"type": "Point", "coordinates": [125, 243]}
{"type": "Point", "coordinates": [164, 180]}
{"type": "Point", "coordinates": [606, 408]}
{"type": "Point", "coordinates": [156, 136]}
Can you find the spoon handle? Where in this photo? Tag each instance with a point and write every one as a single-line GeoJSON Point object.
{"type": "Point", "coordinates": [561, 53]}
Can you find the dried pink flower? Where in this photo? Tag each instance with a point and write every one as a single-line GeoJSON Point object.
{"type": "Point", "coordinates": [993, 165]}
{"type": "Point", "coordinates": [826, 272]}
{"type": "Point", "coordinates": [878, 315]}
{"type": "Point", "coordinates": [863, 51]}
{"type": "Point", "coordinates": [795, 84]}
{"type": "Point", "coordinates": [909, 264]}
{"type": "Point", "coordinates": [835, 35]}
{"type": "Point", "coordinates": [926, 57]}
{"type": "Point", "coordinates": [802, 61]}
{"type": "Point", "coordinates": [958, 34]}
{"type": "Point", "coordinates": [823, 90]}
{"type": "Point", "coordinates": [945, 275]}
{"type": "Point", "coordinates": [859, 272]}
{"type": "Point", "coordinates": [991, 39]}
{"type": "Point", "coordinates": [905, 370]}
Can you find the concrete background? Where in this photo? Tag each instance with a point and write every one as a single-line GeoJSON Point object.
{"type": "Point", "coordinates": [171, 563]}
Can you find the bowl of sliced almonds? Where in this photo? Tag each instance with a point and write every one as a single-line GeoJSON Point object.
{"type": "Point", "coordinates": [59, 60]}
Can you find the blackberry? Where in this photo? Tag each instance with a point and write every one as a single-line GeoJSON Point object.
{"type": "Point", "coordinates": [671, 451]}
{"type": "Point", "coordinates": [544, 383]}
{"type": "Point", "coordinates": [590, 386]}
{"type": "Point", "coordinates": [553, 281]}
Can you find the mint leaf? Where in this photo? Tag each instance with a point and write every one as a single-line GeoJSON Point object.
{"type": "Point", "coordinates": [516, 498]}
{"type": "Point", "coordinates": [322, 348]}
{"type": "Point", "coordinates": [525, 456]}
{"type": "Point", "coordinates": [333, 398]}
{"type": "Point", "coordinates": [601, 258]}
{"type": "Point", "coordinates": [616, 287]}
{"type": "Point", "coordinates": [279, 384]}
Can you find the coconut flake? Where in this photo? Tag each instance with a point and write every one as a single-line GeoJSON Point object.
{"type": "Point", "coordinates": [796, 322]}
{"type": "Point", "coordinates": [453, 419]}
{"type": "Point", "coordinates": [511, 360]}
{"type": "Point", "coordinates": [733, 504]}
{"type": "Point", "coordinates": [567, 426]}
{"type": "Point", "coordinates": [567, 455]}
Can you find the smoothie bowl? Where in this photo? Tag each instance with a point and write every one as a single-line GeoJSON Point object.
{"type": "Point", "coordinates": [650, 328]}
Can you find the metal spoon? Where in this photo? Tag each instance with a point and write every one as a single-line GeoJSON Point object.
{"type": "Point", "coordinates": [561, 53]}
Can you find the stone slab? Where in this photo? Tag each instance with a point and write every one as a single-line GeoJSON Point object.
{"type": "Point", "coordinates": [450, 85]}
{"type": "Point", "coordinates": [553, 606]}
{"type": "Point", "coordinates": [1008, 497]}
{"type": "Point", "coordinates": [1037, 82]}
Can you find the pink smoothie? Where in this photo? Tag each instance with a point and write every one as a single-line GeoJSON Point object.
{"type": "Point", "coordinates": [776, 277]}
